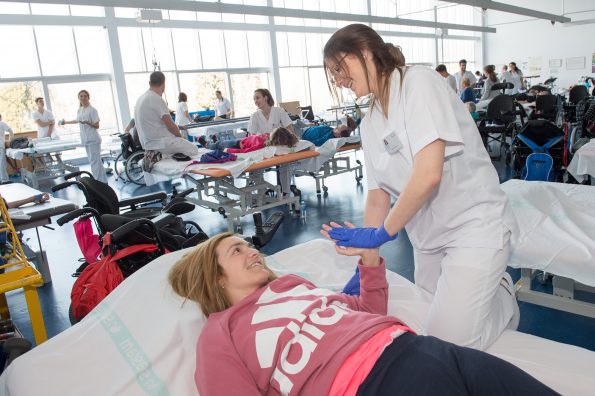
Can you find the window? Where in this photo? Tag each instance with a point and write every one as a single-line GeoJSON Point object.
{"type": "Point", "coordinates": [258, 48]}
{"type": "Point", "coordinates": [213, 49]}
{"type": "Point", "coordinates": [91, 45]}
{"type": "Point", "coordinates": [49, 9]}
{"type": "Point", "coordinates": [132, 49]}
{"type": "Point", "coordinates": [321, 98]}
{"type": "Point", "coordinates": [242, 88]}
{"type": "Point", "coordinates": [158, 48]}
{"type": "Point", "coordinates": [18, 52]}
{"type": "Point", "coordinates": [294, 84]}
{"type": "Point", "coordinates": [14, 8]}
{"type": "Point", "coordinates": [186, 49]}
{"type": "Point", "coordinates": [56, 50]}
{"type": "Point", "coordinates": [200, 88]}
{"type": "Point", "coordinates": [17, 102]}
{"type": "Point", "coordinates": [92, 11]}
{"type": "Point", "coordinates": [236, 49]}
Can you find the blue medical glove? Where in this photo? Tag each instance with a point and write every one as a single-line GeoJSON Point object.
{"type": "Point", "coordinates": [352, 285]}
{"type": "Point", "coordinates": [361, 237]}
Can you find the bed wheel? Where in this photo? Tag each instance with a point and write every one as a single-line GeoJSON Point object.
{"type": "Point", "coordinates": [325, 189]}
{"type": "Point", "coordinates": [222, 212]}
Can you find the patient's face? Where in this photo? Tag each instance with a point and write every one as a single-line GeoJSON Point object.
{"type": "Point", "coordinates": [243, 267]}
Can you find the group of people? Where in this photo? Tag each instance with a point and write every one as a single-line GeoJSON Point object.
{"type": "Point", "coordinates": [282, 335]}
{"type": "Point", "coordinates": [223, 109]}
{"type": "Point", "coordinates": [463, 81]}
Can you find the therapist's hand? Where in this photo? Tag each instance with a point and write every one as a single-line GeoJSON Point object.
{"type": "Point", "coordinates": [369, 257]}
{"type": "Point", "coordinates": [361, 237]}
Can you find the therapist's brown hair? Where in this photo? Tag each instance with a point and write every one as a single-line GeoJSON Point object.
{"type": "Point", "coordinates": [196, 276]}
{"type": "Point", "coordinates": [352, 40]}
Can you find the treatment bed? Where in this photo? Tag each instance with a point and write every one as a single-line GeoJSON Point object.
{"type": "Point", "coordinates": [46, 159]}
{"type": "Point", "coordinates": [237, 188]}
{"type": "Point", "coordinates": [141, 339]}
{"type": "Point", "coordinates": [557, 237]}
{"type": "Point", "coordinates": [334, 159]}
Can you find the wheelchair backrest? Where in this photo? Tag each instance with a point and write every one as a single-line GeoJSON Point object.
{"type": "Point", "coordinates": [538, 167]}
{"type": "Point", "coordinates": [501, 108]}
{"type": "Point", "coordinates": [100, 196]}
{"type": "Point", "coordinates": [541, 132]}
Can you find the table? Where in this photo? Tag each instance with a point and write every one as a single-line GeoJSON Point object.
{"type": "Point", "coordinates": [40, 215]}
{"type": "Point", "coordinates": [583, 162]}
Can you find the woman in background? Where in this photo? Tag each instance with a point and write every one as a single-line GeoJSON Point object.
{"type": "Point", "coordinates": [491, 79]}
{"type": "Point", "coordinates": [88, 119]}
{"type": "Point", "coordinates": [516, 77]}
{"type": "Point", "coordinates": [182, 116]}
{"type": "Point", "coordinates": [268, 117]}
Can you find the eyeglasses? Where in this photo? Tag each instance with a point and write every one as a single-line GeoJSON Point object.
{"type": "Point", "coordinates": [337, 72]}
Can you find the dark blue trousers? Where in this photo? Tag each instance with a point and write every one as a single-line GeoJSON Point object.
{"type": "Point", "coordinates": [423, 365]}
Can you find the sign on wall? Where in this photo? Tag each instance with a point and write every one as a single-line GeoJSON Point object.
{"type": "Point", "coordinates": [576, 63]}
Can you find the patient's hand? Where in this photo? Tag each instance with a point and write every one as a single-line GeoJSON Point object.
{"type": "Point", "coordinates": [370, 257]}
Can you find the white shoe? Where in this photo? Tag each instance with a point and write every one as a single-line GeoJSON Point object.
{"type": "Point", "coordinates": [506, 283]}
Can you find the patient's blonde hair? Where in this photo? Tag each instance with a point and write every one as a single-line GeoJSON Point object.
{"type": "Point", "coordinates": [196, 276]}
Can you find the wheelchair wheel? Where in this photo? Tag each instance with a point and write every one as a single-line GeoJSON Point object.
{"type": "Point", "coordinates": [192, 228]}
{"type": "Point", "coordinates": [134, 168]}
{"type": "Point", "coordinates": [120, 167]}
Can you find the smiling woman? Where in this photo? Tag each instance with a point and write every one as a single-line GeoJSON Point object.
{"type": "Point", "coordinates": [419, 143]}
{"type": "Point", "coordinates": [267, 335]}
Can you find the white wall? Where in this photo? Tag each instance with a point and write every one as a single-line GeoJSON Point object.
{"type": "Point", "coordinates": [521, 39]}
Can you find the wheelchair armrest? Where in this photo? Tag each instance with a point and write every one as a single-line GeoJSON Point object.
{"type": "Point", "coordinates": [146, 198]}
{"type": "Point", "coordinates": [163, 220]}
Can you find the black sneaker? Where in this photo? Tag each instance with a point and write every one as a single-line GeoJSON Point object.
{"type": "Point", "coordinates": [214, 138]}
{"type": "Point", "coordinates": [203, 141]}
{"type": "Point", "coordinates": [150, 159]}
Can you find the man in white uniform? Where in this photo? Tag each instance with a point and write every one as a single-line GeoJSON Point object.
{"type": "Point", "coordinates": [4, 127]}
{"type": "Point", "coordinates": [462, 74]}
{"type": "Point", "coordinates": [450, 79]}
{"type": "Point", "coordinates": [156, 130]}
{"type": "Point", "coordinates": [222, 106]}
{"type": "Point", "coordinates": [44, 120]}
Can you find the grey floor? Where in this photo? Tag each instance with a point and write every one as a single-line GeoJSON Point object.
{"type": "Point", "coordinates": [345, 201]}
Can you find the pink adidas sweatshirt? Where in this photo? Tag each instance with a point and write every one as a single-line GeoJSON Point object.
{"type": "Point", "coordinates": [250, 143]}
{"type": "Point", "coordinates": [289, 337]}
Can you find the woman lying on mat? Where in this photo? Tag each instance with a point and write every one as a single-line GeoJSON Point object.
{"type": "Point", "coordinates": [269, 335]}
{"type": "Point", "coordinates": [279, 137]}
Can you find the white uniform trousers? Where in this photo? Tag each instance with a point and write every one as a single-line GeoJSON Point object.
{"type": "Point", "coordinates": [173, 144]}
{"type": "Point", "coordinates": [470, 308]}
{"type": "Point", "coordinates": [94, 154]}
{"type": "Point", "coordinates": [3, 165]}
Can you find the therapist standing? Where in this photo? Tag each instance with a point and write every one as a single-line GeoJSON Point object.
{"type": "Point", "coordinates": [88, 119]}
{"type": "Point", "coordinates": [422, 148]}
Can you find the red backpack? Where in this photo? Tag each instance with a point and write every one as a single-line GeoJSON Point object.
{"type": "Point", "coordinates": [101, 277]}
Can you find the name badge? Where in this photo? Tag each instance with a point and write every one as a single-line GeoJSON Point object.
{"type": "Point", "coordinates": [392, 143]}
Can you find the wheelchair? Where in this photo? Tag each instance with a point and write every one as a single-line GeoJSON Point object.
{"type": "Point", "coordinates": [129, 161]}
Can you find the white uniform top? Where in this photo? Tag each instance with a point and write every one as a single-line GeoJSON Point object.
{"type": "Point", "coordinates": [222, 106]}
{"type": "Point", "coordinates": [4, 127]}
{"type": "Point", "coordinates": [45, 117]}
{"type": "Point", "coordinates": [148, 111]}
{"type": "Point", "coordinates": [459, 79]}
{"type": "Point", "coordinates": [89, 135]}
{"type": "Point", "coordinates": [259, 124]}
{"type": "Point", "coordinates": [468, 209]}
{"type": "Point", "coordinates": [514, 78]}
{"type": "Point", "coordinates": [452, 82]}
{"type": "Point", "coordinates": [181, 118]}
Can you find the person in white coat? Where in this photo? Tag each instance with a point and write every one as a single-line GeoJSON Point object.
{"type": "Point", "coordinates": [88, 119]}
{"type": "Point", "coordinates": [422, 148]}
{"type": "Point", "coordinates": [4, 128]}
{"type": "Point", "coordinates": [222, 106]}
{"type": "Point", "coordinates": [182, 115]}
{"type": "Point", "coordinates": [44, 119]}
{"type": "Point", "coordinates": [462, 73]}
{"type": "Point", "coordinates": [516, 78]}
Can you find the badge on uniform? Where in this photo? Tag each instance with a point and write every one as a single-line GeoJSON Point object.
{"type": "Point", "coordinates": [392, 143]}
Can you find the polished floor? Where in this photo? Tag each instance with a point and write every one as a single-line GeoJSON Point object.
{"type": "Point", "coordinates": [345, 201]}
